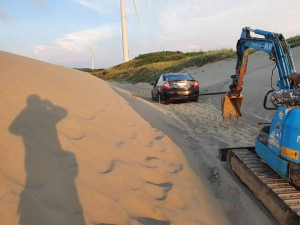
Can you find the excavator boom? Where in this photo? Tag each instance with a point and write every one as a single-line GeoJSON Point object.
{"type": "Point", "coordinates": [278, 49]}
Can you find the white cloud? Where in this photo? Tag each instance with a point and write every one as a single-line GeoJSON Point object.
{"type": "Point", "coordinates": [73, 49]}
{"type": "Point", "coordinates": [88, 4]}
{"type": "Point", "coordinates": [218, 24]}
{"type": "Point", "coordinates": [81, 40]}
{"type": "Point", "coordinates": [38, 49]}
{"type": "Point", "coordinates": [193, 25]}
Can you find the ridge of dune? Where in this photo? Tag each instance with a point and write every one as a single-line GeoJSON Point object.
{"type": "Point", "coordinates": [73, 151]}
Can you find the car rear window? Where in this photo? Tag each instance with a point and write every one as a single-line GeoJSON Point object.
{"type": "Point", "coordinates": [171, 77]}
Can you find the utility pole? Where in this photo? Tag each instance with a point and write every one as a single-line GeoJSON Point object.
{"type": "Point", "coordinates": [92, 57]}
{"type": "Point", "coordinates": [124, 33]}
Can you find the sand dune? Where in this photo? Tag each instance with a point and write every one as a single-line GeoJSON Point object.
{"type": "Point", "coordinates": [73, 151]}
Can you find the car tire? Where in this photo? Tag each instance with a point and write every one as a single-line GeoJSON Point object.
{"type": "Point", "coordinates": [195, 99]}
{"type": "Point", "coordinates": [160, 99]}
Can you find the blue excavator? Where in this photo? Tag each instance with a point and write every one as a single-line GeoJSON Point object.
{"type": "Point", "coordinates": [271, 169]}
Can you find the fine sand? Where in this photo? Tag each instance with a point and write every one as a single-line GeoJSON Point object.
{"type": "Point", "coordinates": [74, 151]}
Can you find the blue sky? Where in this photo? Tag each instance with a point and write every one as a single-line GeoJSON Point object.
{"type": "Point", "coordinates": [61, 31]}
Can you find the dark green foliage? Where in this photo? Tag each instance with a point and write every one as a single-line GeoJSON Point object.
{"type": "Point", "coordinates": [294, 41]}
{"type": "Point", "coordinates": [159, 56]}
{"type": "Point", "coordinates": [147, 67]}
{"type": "Point", "coordinates": [209, 57]}
{"type": "Point", "coordinates": [88, 70]}
{"type": "Point", "coordinates": [143, 75]}
{"type": "Point", "coordinates": [164, 56]}
{"type": "Point", "coordinates": [200, 60]}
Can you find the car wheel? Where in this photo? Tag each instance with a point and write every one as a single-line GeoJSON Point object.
{"type": "Point", "coordinates": [195, 99]}
{"type": "Point", "coordinates": [160, 99]}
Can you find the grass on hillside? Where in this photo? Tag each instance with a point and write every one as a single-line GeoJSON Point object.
{"type": "Point", "coordinates": [147, 67]}
{"type": "Point", "coordinates": [88, 70]}
{"type": "Point", "coordinates": [294, 41]}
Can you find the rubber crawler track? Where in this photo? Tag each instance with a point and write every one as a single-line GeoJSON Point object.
{"type": "Point", "coordinates": [280, 197]}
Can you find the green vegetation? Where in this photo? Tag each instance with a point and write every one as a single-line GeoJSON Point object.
{"type": "Point", "coordinates": [147, 67]}
{"type": "Point", "coordinates": [294, 41]}
{"type": "Point", "coordinates": [88, 70]}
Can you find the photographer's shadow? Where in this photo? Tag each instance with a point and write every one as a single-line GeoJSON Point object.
{"type": "Point", "coordinates": [50, 195]}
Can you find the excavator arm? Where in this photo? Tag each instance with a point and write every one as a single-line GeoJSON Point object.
{"type": "Point", "coordinates": [278, 49]}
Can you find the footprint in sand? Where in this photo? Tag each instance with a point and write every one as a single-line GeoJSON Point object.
{"type": "Point", "coordinates": [156, 162]}
{"type": "Point", "coordinates": [150, 158]}
{"type": "Point", "coordinates": [178, 170]}
{"type": "Point", "coordinates": [104, 224]}
{"type": "Point", "coordinates": [155, 139]}
{"type": "Point", "coordinates": [150, 221]}
{"type": "Point", "coordinates": [151, 144]}
{"type": "Point", "coordinates": [93, 117]}
{"type": "Point", "coordinates": [110, 168]}
{"type": "Point", "coordinates": [163, 150]}
{"type": "Point", "coordinates": [120, 144]}
{"type": "Point", "coordinates": [167, 186]}
{"type": "Point", "coordinates": [132, 136]}
{"type": "Point", "coordinates": [73, 129]}
{"type": "Point", "coordinates": [159, 137]}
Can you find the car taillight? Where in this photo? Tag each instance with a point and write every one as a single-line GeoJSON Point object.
{"type": "Point", "coordinates": [196, 85]}
{"type": "Point", "coordinates": [166, 85]}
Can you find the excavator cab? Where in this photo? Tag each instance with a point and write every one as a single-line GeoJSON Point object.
{"type": "Point", "coordinates": [231, 107]}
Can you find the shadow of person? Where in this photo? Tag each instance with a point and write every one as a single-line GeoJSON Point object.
{"type": "Point", "coordinates": [49, 196]}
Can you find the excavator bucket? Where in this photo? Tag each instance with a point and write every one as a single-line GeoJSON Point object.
{"type": "Point", "coordinates": [231, 107]}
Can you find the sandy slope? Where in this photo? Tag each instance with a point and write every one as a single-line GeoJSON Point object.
{"type": "Point", "coordinates": [73, 151]}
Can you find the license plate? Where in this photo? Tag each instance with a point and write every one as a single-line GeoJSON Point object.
{"type": "Point", "coordinates": [183, 92]}
{"type": "Point", "coordinates": [290, 153]}
{"type": "Point", "coordinates": [181, 84]}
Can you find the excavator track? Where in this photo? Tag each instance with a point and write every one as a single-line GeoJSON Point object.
{"type": "Point", "coordinates": [279, 196]}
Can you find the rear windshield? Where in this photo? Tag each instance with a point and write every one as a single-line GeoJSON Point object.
{"type": "Point", "coordinates": [170, 77]}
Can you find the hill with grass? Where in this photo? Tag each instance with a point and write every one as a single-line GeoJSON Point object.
{"type": "Point", "coordinates": [147, 67]}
